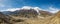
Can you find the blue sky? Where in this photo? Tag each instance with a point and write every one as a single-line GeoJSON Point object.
{"type": "Point", "coordinates": [44, 4]}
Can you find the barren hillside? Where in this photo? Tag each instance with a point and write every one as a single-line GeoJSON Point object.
{"type": "Point", "coordinates": [30, 17]}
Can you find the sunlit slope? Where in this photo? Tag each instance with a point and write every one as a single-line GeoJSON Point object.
{"type": "Point", "coordinates": [53, 19]}
{"type": "Point", "coordinates": [31, 17]}
{"type": "Point", "coordinates": [56, 19]}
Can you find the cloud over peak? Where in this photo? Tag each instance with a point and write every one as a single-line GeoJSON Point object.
{"type": "Point", "coordinates": [51, 9]}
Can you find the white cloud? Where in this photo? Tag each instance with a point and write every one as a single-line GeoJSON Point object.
{"type": "Point", "coordinates": [11, 9]}
{"type": "Point", "coordinates": [26, 7]}
{"type": "Point", "coordinates": [53, 10]}
{"type": "Point", "coordinates": [29, 7]}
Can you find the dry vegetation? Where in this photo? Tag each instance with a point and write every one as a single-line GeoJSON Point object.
{"type": "Point", "coordinates": [54, 19]}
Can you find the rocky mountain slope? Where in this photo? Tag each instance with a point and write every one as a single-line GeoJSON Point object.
{"type": "Point", "coordinates": [30, 16]}
{"type": "Point", "coordinates": [4, 18]}
{"type": "Point", "coordinates": [45, 13]}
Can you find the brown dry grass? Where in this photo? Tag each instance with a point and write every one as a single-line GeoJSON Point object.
{"type": "Point", "coordinates": [55, 19]}
{"type": "Point", "coordinates": [47, 20]}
